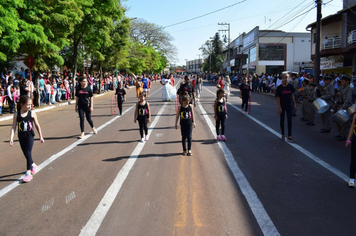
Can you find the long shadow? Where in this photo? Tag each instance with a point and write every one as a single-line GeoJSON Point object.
{"type": "Point", "coordinates": [11, 180]}
{"type": "Point", "coordinates": [203, 141]}
{"type": "Point", "coordinates": [143, 156]}
{"type": "Point", "coordinates": [9, 125]}
{"type": "Point", "coordinates": [101, 115]}
{"type": "Point", "coordinates": [54, 138]}
{"type": "Point", "coordinates": [136, 129]}
{"type": "Point", "coordinates": [109, 142]}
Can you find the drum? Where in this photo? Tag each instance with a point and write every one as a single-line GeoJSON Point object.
{"type": "Point", "coordinates": [320, 105]}
{"type": "Point", "coordinates": [351, 110]}
{"type": "Point", "coordinates": [341, 117]}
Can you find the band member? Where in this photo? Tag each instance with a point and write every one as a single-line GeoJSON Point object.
{"type": "Point", "coordinates": [313, 91]}
{"type": "Point", "coordinates": [327, 95]}
{"type": "Point", "coordinates": [305, 103]}
{"type": "Point", "coordinates": [295, 84]}
{"type": "Point", "coordinates": [341, 104]}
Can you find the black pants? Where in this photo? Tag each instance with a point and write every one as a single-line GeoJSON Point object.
{"type": "Point", "coordinates": [142, 122]}
{"type": "Point", "coordinates": [186, 131]}
{"type": "Point", "coordinates": [220, 120]}
{"type": "Point", "coordinates": [81, 111]}
{"type": "Point", "coordinates": [119, 105]}
{"type": "Point", "coordinates": [244, 102]}
{"type": "Point", "coordinates": [287, 110]}
{"type": "Point", "coordinates": [353, 158]}
{"type": "Point", "coordinates": [26, 144]}
{"type": "Point", "coordinates": [11, 103]}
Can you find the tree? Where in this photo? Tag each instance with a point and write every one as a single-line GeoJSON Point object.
{"type": "Point", "coordinates": [212, 52]}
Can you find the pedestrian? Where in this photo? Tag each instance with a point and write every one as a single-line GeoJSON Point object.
{"type": "Point", "coordinates": [351, 140]}
{"type": "Point", "coordinates": [220, 114]}
{"type": "Point", "coordinates": [187, 87]}
{"type": "Point", "coordinates": [139, 87]}
{"type": "Point", "coordinates": [143, 115]}
{"type": "Point", "coordinates": [186, 114]}
{"type": "Point", "coordinates": [9, 95]}
{"type": "Point", "coordinates": [341, 104]}
{"type": "Point", "coordinates": [84, 104]}
{"type": "Point", "coordinates": [24, 120]}
{"type": "Point", "coordinates": [227, 86]}
{"type": "Point", "coordinates": [121, 97]}
{"type": "Point", "coordinates": [199, 86]}
{"type": "Point", "coordinates": [286, 105]}
{"type": "Point", "coordinates": [244, 94]}
{"type": "Point", "coordinates": [313, 91]}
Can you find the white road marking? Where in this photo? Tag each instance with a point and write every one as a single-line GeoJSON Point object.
{"type": "Point", "coordinates": [47, 205]}
{"type": "Point", "coordinates": [261, 215]}
{"type": "Point", "coordinates": [296, 146]}
{"type": "Point", "coordinates": [92, 226]}
{"type": "Point", "coordinates": [70, 197]}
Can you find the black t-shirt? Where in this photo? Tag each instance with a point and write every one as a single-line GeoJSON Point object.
{"type": "Point", "coordinates": [221, 108]}
{"type": "Point", "coordinates": [120, 94]}
{"type": "Point", "coordinates": [84, 95]}
{"type": "Point", "coordinates": [22, 90]}
{"type": "Point", "coordinates": [285, 94]}
{"type": "Point", "coordinates": [187, 88]}
{"type": "Point", "coordinates": [186, 115]}
{"type": "Point", "coordinates": [142, 111]}
{"type": "Point", "coordinates": [245, 89]}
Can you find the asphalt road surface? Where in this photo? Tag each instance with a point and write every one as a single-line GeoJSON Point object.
{"type": "Point", "coordinates": [112, 184]}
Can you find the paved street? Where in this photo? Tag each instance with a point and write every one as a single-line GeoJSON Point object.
{"type": "Point", "coordinates": [111, 184]}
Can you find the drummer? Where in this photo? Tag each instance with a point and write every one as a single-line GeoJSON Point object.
{"type": "Point", "coordinates": [313, 91]}
{"type": "Point", "coordinates": [342, 104]}
{"type": "Point", "coordinates": [351, 96]}
{"type": "Point", "coordinates": [305, 93]}
{"type": "Point", "coordinates": [327, 95]}
{"type": "Point", "coordinates": [294, 81]}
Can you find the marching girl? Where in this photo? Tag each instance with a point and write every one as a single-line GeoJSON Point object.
{"type": "Point", "coordinates": [121, 96]}
{"type": "Point", "coordinates": [143, 115]}
{"type": "Point", "coordinates": [245, 94]}
{"type": "Point", "coordinates": [186, 114]}
{"type": "Point", "coordinates": [24, 120]}
{"type": "Point", "coordinates": [84, 104]}
{"type": "Point", "coordinates": [351, 140]}
{"type": "Point", "coordinates": [220, 113]}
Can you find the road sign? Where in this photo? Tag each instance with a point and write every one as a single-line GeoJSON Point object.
{"type": "Point", "coordinates": [30, 62]}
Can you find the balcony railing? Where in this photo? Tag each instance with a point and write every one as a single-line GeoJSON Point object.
{"type": "Point", "coordinates": [351, 38]}
{"type": "Point", "coordinates": [331, 43]}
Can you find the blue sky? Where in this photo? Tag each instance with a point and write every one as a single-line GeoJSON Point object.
{"type": "Point", "coordinates": [243, 16]}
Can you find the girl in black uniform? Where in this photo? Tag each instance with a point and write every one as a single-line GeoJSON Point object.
{"type": "Point", "coordinates": [186, 114]}
{"type": "Point", "coordinates": [244, 94]}
{"type": "Point", "coordinates": [24, 120]}
{"type": "Point", "coordinates": [143, 115]}
{"type": "Point", "coordinates": [220, 113]}
{"type": "Point", "coordinates": [84, 104]}
{"type": "Point", "coordinates": [351, 139]}
{"type": "Point", "coordinates": [286, 104]}
{"type": "Point", "coordinates": [121, 97]}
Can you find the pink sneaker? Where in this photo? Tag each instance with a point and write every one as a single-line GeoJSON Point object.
{"type": "Point", "coordinates": [223, 137]}
{"type": "Point", "coordinates": [34, 169]}
{"type": "Point", "coordinates": [28, 177]}
{"type": "Point", "coordinates": [219, 138]}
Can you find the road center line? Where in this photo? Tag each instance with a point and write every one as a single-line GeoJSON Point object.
{"type": "Point", "coordinates": [103, 207]}
{"type": "Point", "coordinates": [296, 146]}
{"type": "Point", "coordinates": [261, 215]}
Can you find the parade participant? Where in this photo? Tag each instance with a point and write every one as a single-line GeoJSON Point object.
{"type": "Point", "coordinates": [295, 84]}
{"type": "Point", "coordinates": [143, 115]}
{"type": "Point", "coordinates": [187, 87]}
{"type": "Point", "coordinates": [305, 103]}
{"type": "Point", "coordinates": [139, 87]}
{"type": "Point", "coordinates": [311, 98]}
{"type": "Point", "coordinates": [220, 114]}
{"type": "Point", "coordinates": [84, 104]}
{"type": "Point", "coordinates": [327, 95]}
{"type": "Point", "coordinates": [227, 86]}
{"type": "Point", "coordinates": [351, 140]}
{"type": "Point", "coordinates": [145, 84]}
{"type": "Point", "coordinates": [120, 96]}
{"type": "Point", "coordinates": [286, 104]}
{"type": "Point", "coordinates": [185, 113]}
{"type": "Point", "coordinates": [220, 82]}
{"type": "Point", "coordinates": [24, 120]}
{"type": "Point", "coordinates": [351, 96]}
{"type": "Point", "coordinates": [341, 104]}
{"type": "Point", "coordinates": [9, 95]}
{"type": "Point", "coordinates": [199, 86]}
{"type": "Point", "coordinates": [244, 94]}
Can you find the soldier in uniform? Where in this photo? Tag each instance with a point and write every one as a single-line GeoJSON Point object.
{"type": "Point", "coordinates": [342, 104]}
{"type": "Point", "coordinates": [327, 95]}
{"type": "Point", "coordinates": [351, 96]}
{"type": "Point", "coordinates": [305, 93]}
{"type": "Point", "coordinates": [295, 84]}
{"type": "Point", "coordinates": [310, 109]}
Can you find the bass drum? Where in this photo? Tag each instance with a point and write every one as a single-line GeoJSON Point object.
{"type": "Point", "coordinates": [320, 106]}
{"type": "Point", "coordinates": [341, 117]}
{"type": "Point", "coordinates": [351, 110]}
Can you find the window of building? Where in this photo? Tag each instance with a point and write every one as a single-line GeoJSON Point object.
{"type": "Point", "coordinates": [271, 53]}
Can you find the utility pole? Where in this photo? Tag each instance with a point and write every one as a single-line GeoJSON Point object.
{"type": "Point", "coordinates": [211, 52]}
{"type": "Point", "coordinates": [228, 41]}
{"type": "Point", "coordinates": [317, 43]}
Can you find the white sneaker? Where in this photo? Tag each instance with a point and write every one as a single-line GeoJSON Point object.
{"type": "Point", "coordinates": [81, 135]}
{"type": "Point", "coordinates": [94, 131]}
{"type": "Point", "coordinates": [351, 183]}
{"type": "Point", "coordinates": [146, 137]}
{"type": "Point", "coordinates": [142, 140]}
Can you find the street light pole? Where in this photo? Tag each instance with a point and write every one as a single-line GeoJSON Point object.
{"type": "Point", "coordinates": [317, 43]}
{"type": "Point", "coordinates": [228, 42]}
{"type": "Point", "coordinates": [211, 49]}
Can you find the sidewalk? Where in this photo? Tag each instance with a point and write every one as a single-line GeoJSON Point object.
{"type": "Point", "coordinates": [9, 116]}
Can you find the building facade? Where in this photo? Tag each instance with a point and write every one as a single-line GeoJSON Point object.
{"type": "Point", "coordinates": [194, 66]}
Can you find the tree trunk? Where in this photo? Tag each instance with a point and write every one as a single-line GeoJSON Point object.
{"type": "Point", "coordinates": [101, 75]}
{"type": "Point", "coordinates": [75, 65]}
{"type": "Point", "coordinates": [37, 96]}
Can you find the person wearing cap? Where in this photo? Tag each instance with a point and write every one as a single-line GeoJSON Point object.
{"type": "Point", "coordinates": [341, 104]}
{"type": "Point", "coordinates": [295, 84]}
{"type": "Point", "coordinates": [327, 95]}
{"type": "Point", "coordinates": [313, 91]}
{"type": "Point", "coordinates": [351, 96]}
{"type": "Point", "coordinates": [305, 93]}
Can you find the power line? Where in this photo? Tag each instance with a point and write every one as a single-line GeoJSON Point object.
{"type": "Point", "coordinates": [205, 14]}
